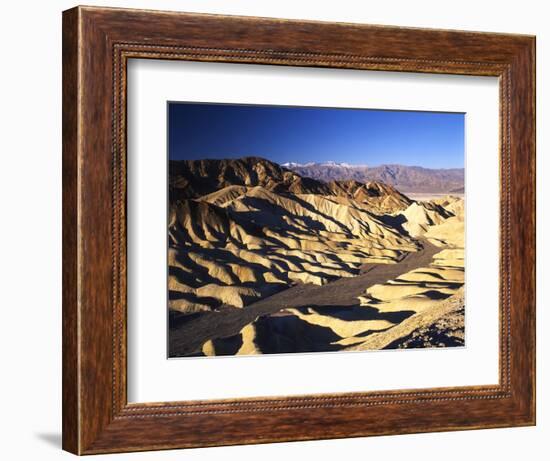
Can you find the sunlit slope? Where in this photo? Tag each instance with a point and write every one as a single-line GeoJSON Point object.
{"type": "Point", "coordinates": [256, 242]}
{"type": "Point", "coordinates": [423, 307]}
{"type": "Point", "coordinates": [241, 231]}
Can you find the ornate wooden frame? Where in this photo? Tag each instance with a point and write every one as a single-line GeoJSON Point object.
{"type": "Point", "coordinates": [97, 43]}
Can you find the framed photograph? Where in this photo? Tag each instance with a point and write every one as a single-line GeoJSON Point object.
{"type": "Point", "coordinates": [280, 230]}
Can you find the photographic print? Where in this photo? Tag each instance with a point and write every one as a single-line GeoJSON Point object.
{"type": "Point", "coordinates": [313, 229]}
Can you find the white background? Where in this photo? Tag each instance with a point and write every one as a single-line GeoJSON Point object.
{"type": "Point", "coordinates": [30, 243]}
{"type": "Point", "coordinates": [153, 378]}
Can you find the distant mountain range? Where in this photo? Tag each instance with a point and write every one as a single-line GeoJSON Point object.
{"type": "Point", "coordinates": [407, 179]}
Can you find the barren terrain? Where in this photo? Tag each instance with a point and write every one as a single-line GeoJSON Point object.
{"type": "Point", "coordinates": [263, 260]}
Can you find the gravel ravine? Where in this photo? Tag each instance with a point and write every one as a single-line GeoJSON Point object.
{"type": "Point", "coordinates": [189, 333]}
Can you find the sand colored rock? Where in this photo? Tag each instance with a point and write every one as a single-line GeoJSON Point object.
{"type": "Point", "coordinates": [208, 348]}
{"type": "Point", "coordinates": [188, 306]}
{"type": "Point", "coordinates": [343, 328]}
{"type": "Point", "coordinates": [419, 217]}
{"type": "Point", "coordinates": [247, 236]}
{"type": "Point", "coordinates": [224, 196]}
{"type": "Point", "coordinates": [236, 296]}
{"type": "Point", "coordinates": [423, 320]}
{"type": "Point", "coordinates": [452, 204]}
{"type": "Point", "coordinates": [450, 258]}
{"type": "Point", "coordinates": [241, 231]}
{"type": "Point", "coordinates": [374, 196]}
{"type": "Point", "coordinates": [433, 274]}
{"type": "Point", "coordinates": [412, 303]}
{"type": "Point", "coordinates": [419, 289]}
{"type": "Point", "coordinates": [449, 233]}
{"type": "Point", "coordinates": [248, 335]}
{"type": "Point", "coordinates": [306, 277]}
{"type": "Point", "coordinates": [390, 291]}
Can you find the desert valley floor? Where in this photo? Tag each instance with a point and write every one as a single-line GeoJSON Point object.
{"type": "Point", "coordinates": [264, 260]}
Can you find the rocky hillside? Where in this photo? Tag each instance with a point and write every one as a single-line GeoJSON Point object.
{"type": "Point", "coordinates": [229, 178]}
{"type": "Point", "coordinates": [195, 178]}
{"type": "Point", "coordinates": [263, 260]}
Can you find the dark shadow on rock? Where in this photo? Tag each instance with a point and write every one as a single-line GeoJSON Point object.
{"type": "Point", "coordinates": [396, 222]}
{"type": "Point", "coordinates": [315, 210]}
{"type": "Point", "coordinates": [192, 333]}
{"type": "Point", "coordinates": [288, 334]}
{"type": "Point", "coordinates": [272, 215]}
{"type": "Point", "coordinates": [435, 295]}
{"type": "Point", "coordinates": [229, 345]}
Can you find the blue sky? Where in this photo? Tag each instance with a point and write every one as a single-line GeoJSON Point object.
{"type": "Point", "coordinates": [308, 134]}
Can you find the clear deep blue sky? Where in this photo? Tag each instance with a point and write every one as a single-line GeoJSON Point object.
{"type": "Point", "coordinates": [304, 134]}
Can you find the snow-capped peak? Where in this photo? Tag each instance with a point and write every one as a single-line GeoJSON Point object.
{"type": "Point", "coordinates": [297, 165]}
{"type": "Point", "coordinates": [329, 163]}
